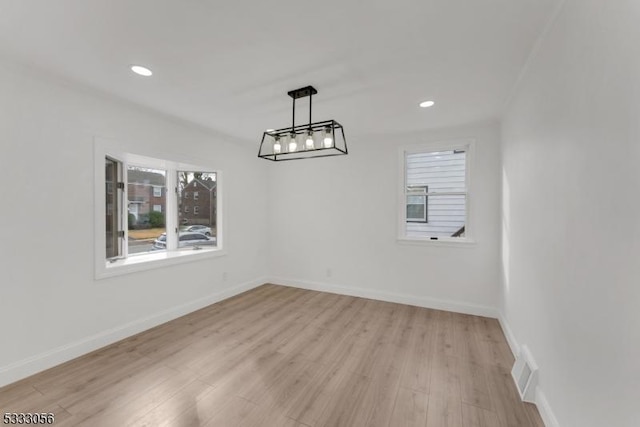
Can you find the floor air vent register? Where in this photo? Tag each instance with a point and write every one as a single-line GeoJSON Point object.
{"type": "Point", "coordinates": [525, 375]}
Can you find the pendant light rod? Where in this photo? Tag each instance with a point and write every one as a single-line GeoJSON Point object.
{"type": "Point", "coordinates": [303, 92]}
{"type": "Point", "coordinates": [310, 99]}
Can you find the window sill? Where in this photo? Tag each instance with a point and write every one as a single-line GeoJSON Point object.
{"type": "Point", "coordinates": [155, 260]}
{"type": "Point", "coordinates": [456, 243]}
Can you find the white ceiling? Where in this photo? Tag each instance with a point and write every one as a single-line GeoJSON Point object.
{"type": "Point", "coordinates": [227, 65]}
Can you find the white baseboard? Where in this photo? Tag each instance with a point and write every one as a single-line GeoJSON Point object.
{"type": "Point", "coordinates": [546, 413]}
{"type": "Point", "coordinates": [56, 356]}
{"type": "Point", "coordinates": [508, 333]}
{"type": "Point", "coordinates": [438, 304]}
{"type": "Point", "coordinates": [541, 402]}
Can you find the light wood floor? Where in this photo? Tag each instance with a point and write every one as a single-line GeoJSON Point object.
{"type": "Point", "coordinates": [278, 356]}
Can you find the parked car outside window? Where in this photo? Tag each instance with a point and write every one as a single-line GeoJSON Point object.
{"type": "Point", "coordinates": [185, 240]}
{"type": "Point", "coordinates": [200, 229]}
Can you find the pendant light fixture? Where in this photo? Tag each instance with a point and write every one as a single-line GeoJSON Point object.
{"type": "Point", "coordinates": [320, 139]}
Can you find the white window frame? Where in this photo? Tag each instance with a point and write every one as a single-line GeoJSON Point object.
{"type": "Point", "coordinates": [157, 191]}
{"type": "Point", "coordinates": [459, 144]}
{"type": "Point", "coordinates": [173, 255]}
{"type": "Point", "coordinates": [121, 202]}
{"type": "Point", "coordinates": [195, 195]}
{"type": "Point", "coordinates": [195, 210]}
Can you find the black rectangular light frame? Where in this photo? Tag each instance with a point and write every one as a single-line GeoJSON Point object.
{"type": "Point", "coordinates": [303, 153]}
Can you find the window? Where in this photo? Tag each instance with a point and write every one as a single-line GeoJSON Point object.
{"type": "Point", "coordinates": [145, 223]}
{"type": "Point", "coordinates": [203, 217]}
{"type": "Point", "coordinates": [141, 221]}
{"type": "Point", "coordinates": [113, 201]}
{"type": "Point", "coordinates": [417, 203]}
{"type": "Point", "coordinates": [435, 192]}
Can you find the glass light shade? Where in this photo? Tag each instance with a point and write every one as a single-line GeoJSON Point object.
{"type": "Point", "coordinates": [293, 145]}
{"type": "Point", "coordinates": [277, 148]}
{"type": "Point", "coordinates": [309, 142]}
{"type": "Point", "coordinates": [328, 139]}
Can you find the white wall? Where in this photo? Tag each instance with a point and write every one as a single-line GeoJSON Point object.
{"type": "Point", "coordinates": [571, 235]}
{"type": "Point", "coordinates": [48, 296]}
{"type": "Point", "coordinates": [340, 214]}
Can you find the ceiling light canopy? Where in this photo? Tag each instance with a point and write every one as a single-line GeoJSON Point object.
{"type": "Point", "coordinates": [140, 70]}
{"type": "Point", "coordinates": [320, 139]}
{"type": "Point", "coordinates": [426, 104]}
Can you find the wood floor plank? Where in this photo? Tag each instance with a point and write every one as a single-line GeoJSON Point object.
{"type": "Point", "coordinates": [416, 373]}
{"type": "Point", "coordinates": [73, 392]}
{"type": "Point", "coordinates": [445, 404]}
{"type": "Point", "coordinates": [61, 417]}
{"type": "Point", "coordinates": [311, 403]}
{"type": "Point", "coordinates": [274, 419]}
{"type": "Point", "coordinates": [132, 406]}
{"type": "Point", "coordinates": [112, 398]}
{"type": "Point", "coordinates": [271, 407]}
{"type": "Point", "coordinates": [445, 379]}
{"type": "Point", "coordinates": [493, 346]}
{"type": "Point", "coordinates": [474, 385]}
{"type": "Point", "coordinates": [410, 409]}
{"type": "Point", "coordinates": [182, 406]}
{"type": "Point", "coordinates": [444, 334]}
{"type": "Point", "coordinates": [342, 410]}
{"type": "Point", "coordinates": [510, 409]}
{"type": "Point", "coordinates": [246, 351]}
{"type": "Point", "coordinates": [11, 395]}
{"type": "Point", "coordinates": [87, 370]}
{"type": "Point", "coordinates": [232, 414]}
{"type": "Point", "coordinates": [378, 401]}
{"type": "Point", "coordinates": [444, 411]}
{"type": "Point", "coordinates": [473, 416]}
{"type": "Point", "coordinates": [268, 382]}
{"type": "Point", "coordinates": [280, 356]}
{"type": "Point", "coordinates": [466, 339]}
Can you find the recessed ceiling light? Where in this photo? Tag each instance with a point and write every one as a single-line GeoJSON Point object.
{"type": "Point", "coordinates": [269, 130]}
{"type": "Point", "coordinates": [426, 104]}
{"type": "Point", "coordinates": [143, 71]}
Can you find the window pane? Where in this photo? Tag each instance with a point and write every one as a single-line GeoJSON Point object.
{"type": "Point", "coordinates": [146, 190]}
{"type": "Point", "coordinates": [112, 208]}
{"type": "Point", "coordinates": [447, 218]}
{"type": "Point", "coordinates": [441, 171]}
{"type": "Point", "coordinates": [415, 212]}
{"type": "Point", "coordinates": [198, 213]}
